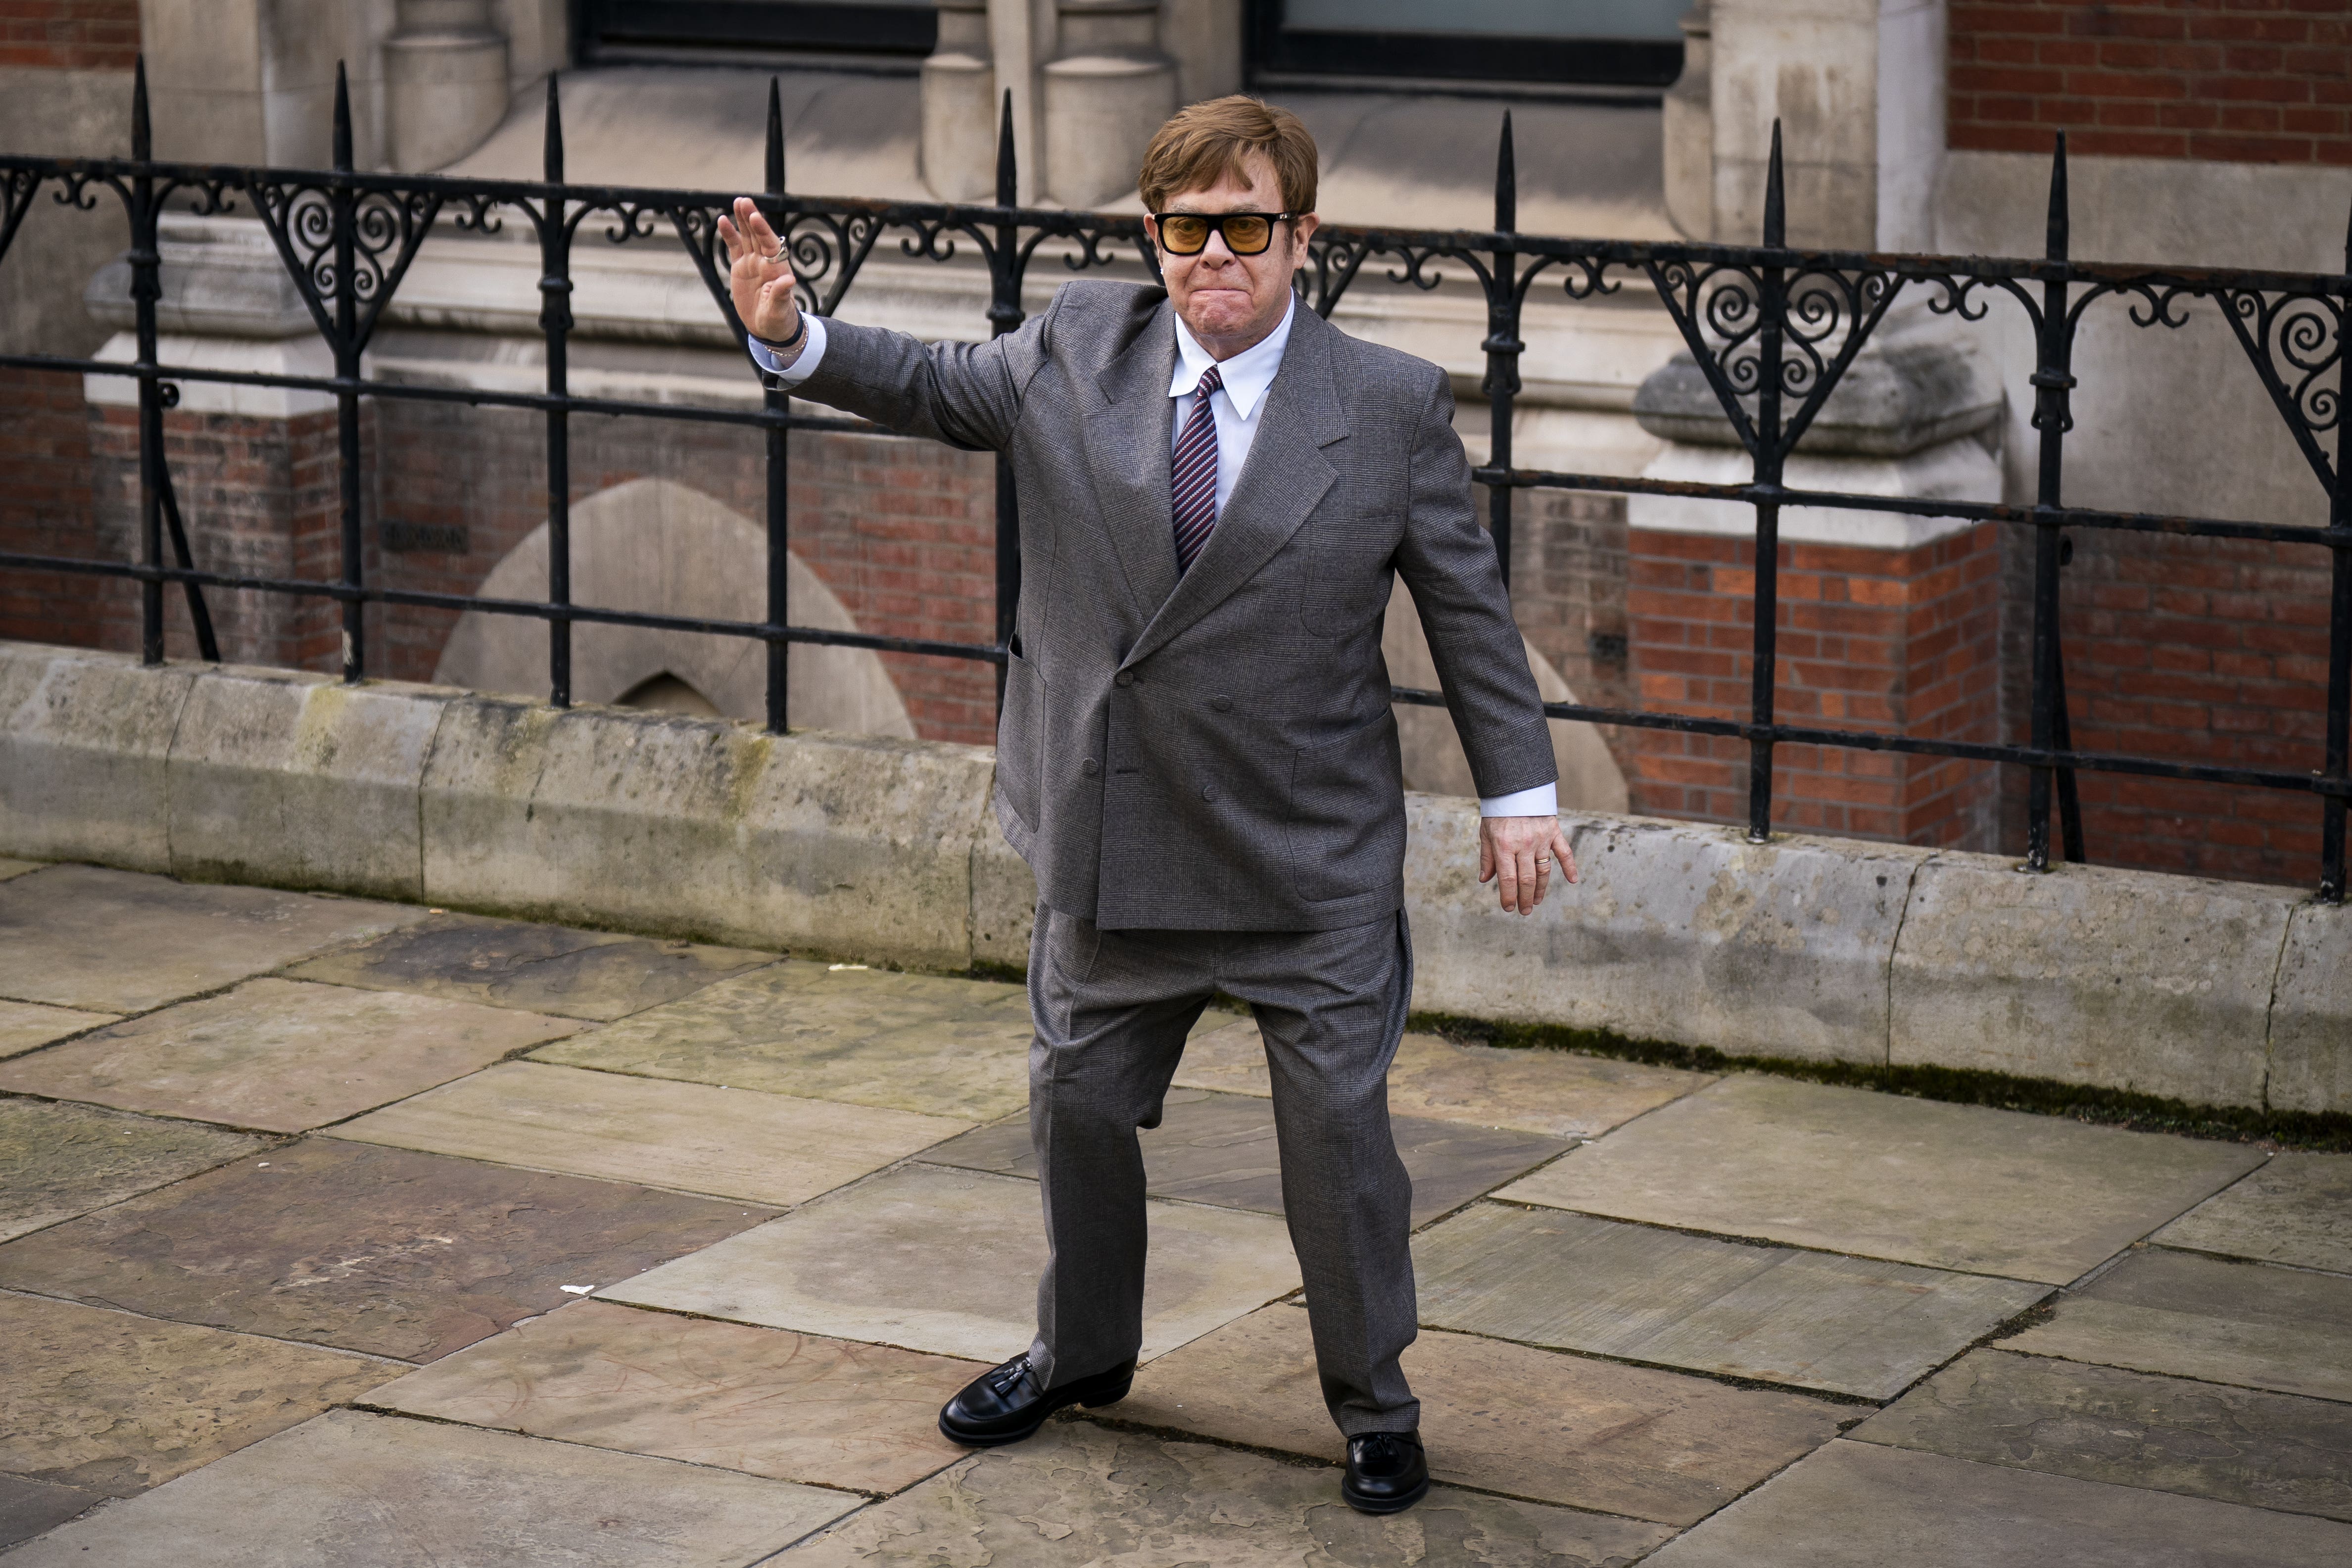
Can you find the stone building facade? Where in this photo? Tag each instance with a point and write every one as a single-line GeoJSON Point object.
{"type": "Point", "coordinates": [2202, 132]}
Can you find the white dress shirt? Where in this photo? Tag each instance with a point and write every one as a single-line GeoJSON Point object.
{"type": "Point", "coordinates": [1245, 380]}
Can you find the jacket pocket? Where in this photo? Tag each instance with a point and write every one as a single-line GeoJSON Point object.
{"type": "Point", "coordinates": [1020, 738]}
{"type": "Point", "coordinates": [1345, 830]}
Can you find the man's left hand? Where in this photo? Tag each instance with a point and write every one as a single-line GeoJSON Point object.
{"type": "Point", "coordinates": [1521, 851]}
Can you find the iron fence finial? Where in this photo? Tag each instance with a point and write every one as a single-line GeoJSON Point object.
{"type": "Point", "coordinates": [1776, 216]}
{"type": "Point", "coordinates": [342, 120]}
{"type": "Point", "coordinates": [1506, 181]}
{"type": "Point", "coordinates": [2058, 225]}
{"type": "Point", "coordinates": [775, 137]}
{"type": "Point", "coordinates": [551, 167]}
{"type": "Point", "coordinates": [142, 132]}
{"type": "Point", "coordinates": [1008, 168]}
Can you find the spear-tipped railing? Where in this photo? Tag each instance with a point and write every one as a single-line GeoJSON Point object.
{"type": "Point", "coordinates": [1773, 330]}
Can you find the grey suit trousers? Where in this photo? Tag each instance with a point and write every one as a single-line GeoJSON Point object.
{"type": "Point", "coordinates": [1112, 1009]}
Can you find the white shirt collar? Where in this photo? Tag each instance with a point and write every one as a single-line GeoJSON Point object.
{"type": "Point", "coordinates": [1246, 377]}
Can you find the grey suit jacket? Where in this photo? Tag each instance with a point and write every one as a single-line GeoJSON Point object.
{"type": "Point", "coordinates": [1215, 752]}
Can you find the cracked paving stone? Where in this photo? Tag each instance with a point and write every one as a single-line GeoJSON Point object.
{"type": "Point", "coordinates": [947, 1261]}
{"type": "Point", "coordinates": [1504, 1418]}
{"type": "Point", "coordinates": [25, 1024]}
{"type": "Point", "coordinates": [870, 1037]}
{"type": "Point", "coordinates": [281, 1055]}
{"type": "Point", "coordinates": [1221, 1149]}
{"type": "Point", "coordinates": [2297, 1210]}
{"type": "Point", "coordinates": [538, 968]}
{"type": "Point", "coordinates": [355, 1491]}
{"type": "Point", "coordinates": [693, 1137]}
{"type": "Point", "coordinates": [2105, 1424]}
{"type": "Point", "coordinates": [1862, 1505]}
{"type": "Point", "coordinates": [1553, 1094]}
{"type": "Point", "coordinates": [1077, 1494]}
{"type": "Point", "coordinates": [1850, 1170]}
{"type": "Point", "coordinates": [28, 1508]}
{"type": "Point", "coordinates": [107, 1403]}
{"type": "Point", "coordinates": [58, 1161]}
{"type": "Point", "coordinates": [373, 1250]}
{"type": "Point", "coordinates": [862, 1418]}
{"type": "Point", "coordinates": [2191, 1316]}
{"type": "Point", "coordinates": [118, 942]}
{"type": "Point", "coordinates": [1809, 1320]}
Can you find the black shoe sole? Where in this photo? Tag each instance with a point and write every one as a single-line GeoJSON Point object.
{"type": "Point", "coordinates": [1077, 1393]}
{"type": "Point", "coordinates": [1384, 1505]}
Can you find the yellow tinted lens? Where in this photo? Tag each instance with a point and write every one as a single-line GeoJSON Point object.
{"type": "Point", "coordinates": [1183, 235]}
{"type": "Point", "coordinates": [1247, 236]}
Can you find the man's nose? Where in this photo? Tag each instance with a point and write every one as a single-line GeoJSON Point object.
{"type": "Point", "coordinates": [1217, 252]}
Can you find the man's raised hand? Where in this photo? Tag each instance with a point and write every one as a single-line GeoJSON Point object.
{"type": "Point", "coordinates": [1518, 853]}
{"type": "Point", "coordinates": [761, 285]}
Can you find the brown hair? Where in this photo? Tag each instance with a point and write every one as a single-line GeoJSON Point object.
{"type": "Point", "coordinates": [1207, 140]}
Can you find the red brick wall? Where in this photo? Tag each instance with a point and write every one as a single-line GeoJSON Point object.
{"type": "Point", "coordinates": [1900, 642]}
{"type": "Point", "coordinates": [2265, 81]}
{"type": "Point", "coordinates": [69, 34]}
{"type": "Point", "coordinates": [44, 508]}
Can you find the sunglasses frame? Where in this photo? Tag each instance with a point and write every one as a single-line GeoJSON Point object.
{"type": "Point", "coordinates": [1216, 221]}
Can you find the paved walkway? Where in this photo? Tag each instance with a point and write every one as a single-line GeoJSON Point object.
{"type": "Point", "coordinates": [338, 1233]}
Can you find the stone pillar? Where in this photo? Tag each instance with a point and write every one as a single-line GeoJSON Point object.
{"type": "Point", "coordinates": [1887, 622]}
{"type": "Point", "coordinates": [444, 71]}
{"type": "Point", "coordinates": [960, 114]}
{"type": "Point", "coordinates": [1689, 131]}
{"type": "Point", "coordinates": [1204, 38]}
{"type": "Point", "coordinates": [1108, 88]}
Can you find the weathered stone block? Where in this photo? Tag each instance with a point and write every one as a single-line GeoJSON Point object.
{"type": "Point", "coordinates": [83, 755]}
{"type": "Point", "coordinates": [1004, 901]}
{"type": "Point", "coordinates": [2159, 985]}
{"type": "Point", "coordinates": [672, 825]}
{"type": "Point", "coordinates": [295, 780]}
{"type": "Point", "coordinates": [1677, 932]}
{"type": "Point", "coordinates": [2311, 1015]}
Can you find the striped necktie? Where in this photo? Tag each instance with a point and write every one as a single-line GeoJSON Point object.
{"type": "Point", "coordinates": [1193, 473]}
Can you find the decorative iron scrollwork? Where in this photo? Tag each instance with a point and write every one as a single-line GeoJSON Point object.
{"type": "Point", "coordinates": [309, 224]}
{"type": "Point", "coordinates": [2293, 341]}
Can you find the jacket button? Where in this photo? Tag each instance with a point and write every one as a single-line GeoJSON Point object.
{"type": "Point", "coordinates": [1089, 767]}
{"type": "Point", "coordinates": [1208, 791]}
{"type": "Point", "coordinates": [1223, 704]}
{"type": "Point", "coordinates": [1125, 677]}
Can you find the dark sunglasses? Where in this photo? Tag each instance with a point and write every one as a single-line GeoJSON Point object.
{"type": "Point", "coordinates": [1247, 234]}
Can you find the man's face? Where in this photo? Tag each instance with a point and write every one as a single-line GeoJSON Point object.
{"type": "Point", "coordinates": [1223, 296]}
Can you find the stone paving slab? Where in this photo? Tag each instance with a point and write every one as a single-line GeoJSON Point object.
{"type": "Point", "coordinates": [1849, 1170]}
{"type": "Point", "coordinates": [23, 1025]}
{"type": "Point", "coordinates": [2297, 1209]}
{"type": "Point", "coordinates": [373, 1250]}
{"type": "Point", "coordinates": [58, 1161]}
{"type": "Point", "coordinates": [871, 1037]}
{"type": "Point", "coordinates": [539, 968]}
{"type": "Point", "coordinates": [947, 1261]}
{"type": "Point", "coordinates": [2105, 1424]}
{"type": "Point", "coordinates": [1077, 1495]}
{"type": "Point", "coordinates": [1499, 1416]}
{"type": "Point", "coordinates": [2191, 1316]}
{"type": "Point", "coordinates": [862, 1418]}
{"type": "Point", "coordinates": [10, 867]}
{"type": "Point", "coordinates": [355, 1491]}
{"type": "Point", "coordinates": [1221, 1149]}
{"type": "Point", "coordinates": [1809, 1320]}
{"type": "Point", "coordinates": [691, 1137]}
{"type": "Point", "coordinates": [1555, 1094]}
{"type": "Point", "coordinates": [118, 942]}
{"type": "Point", "coordinates": [28, 1508]}
{"type": "Point", "coordinates": [1861, 1505]}
{"type": "Point", "coordinates": [284, 1056]}
{"type": "Point", "coordinates": [109, 1402]}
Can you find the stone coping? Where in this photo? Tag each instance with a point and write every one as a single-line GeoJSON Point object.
{"type": "Point", "coordinates": [1817, 949]}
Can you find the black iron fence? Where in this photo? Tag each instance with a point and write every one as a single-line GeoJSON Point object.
{"type": "Point", "coordinates": [1772, 328]}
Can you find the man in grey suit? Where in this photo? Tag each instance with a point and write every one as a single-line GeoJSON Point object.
{"type": "Point", "coordinates": [1197, 755]}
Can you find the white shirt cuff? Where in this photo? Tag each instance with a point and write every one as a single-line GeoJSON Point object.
{"type": "Point", "coordinates": [1543, 801]}
{"type": "Point", "coordinates": [801, 369]}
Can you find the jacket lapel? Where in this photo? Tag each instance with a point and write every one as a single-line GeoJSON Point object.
{"type": "Point", "coordinates": [1128, 447]}
{"type": "Point", "coordinates": [1286, 475]}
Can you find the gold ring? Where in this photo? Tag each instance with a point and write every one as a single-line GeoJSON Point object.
{"type": "Point", "coordinates": [1543, 860]}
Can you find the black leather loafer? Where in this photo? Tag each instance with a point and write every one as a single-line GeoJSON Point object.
{"type": "Point", "coordinates": [1387, 1472]}
{"type": "Point", "coordinates": [1006, 1405]}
